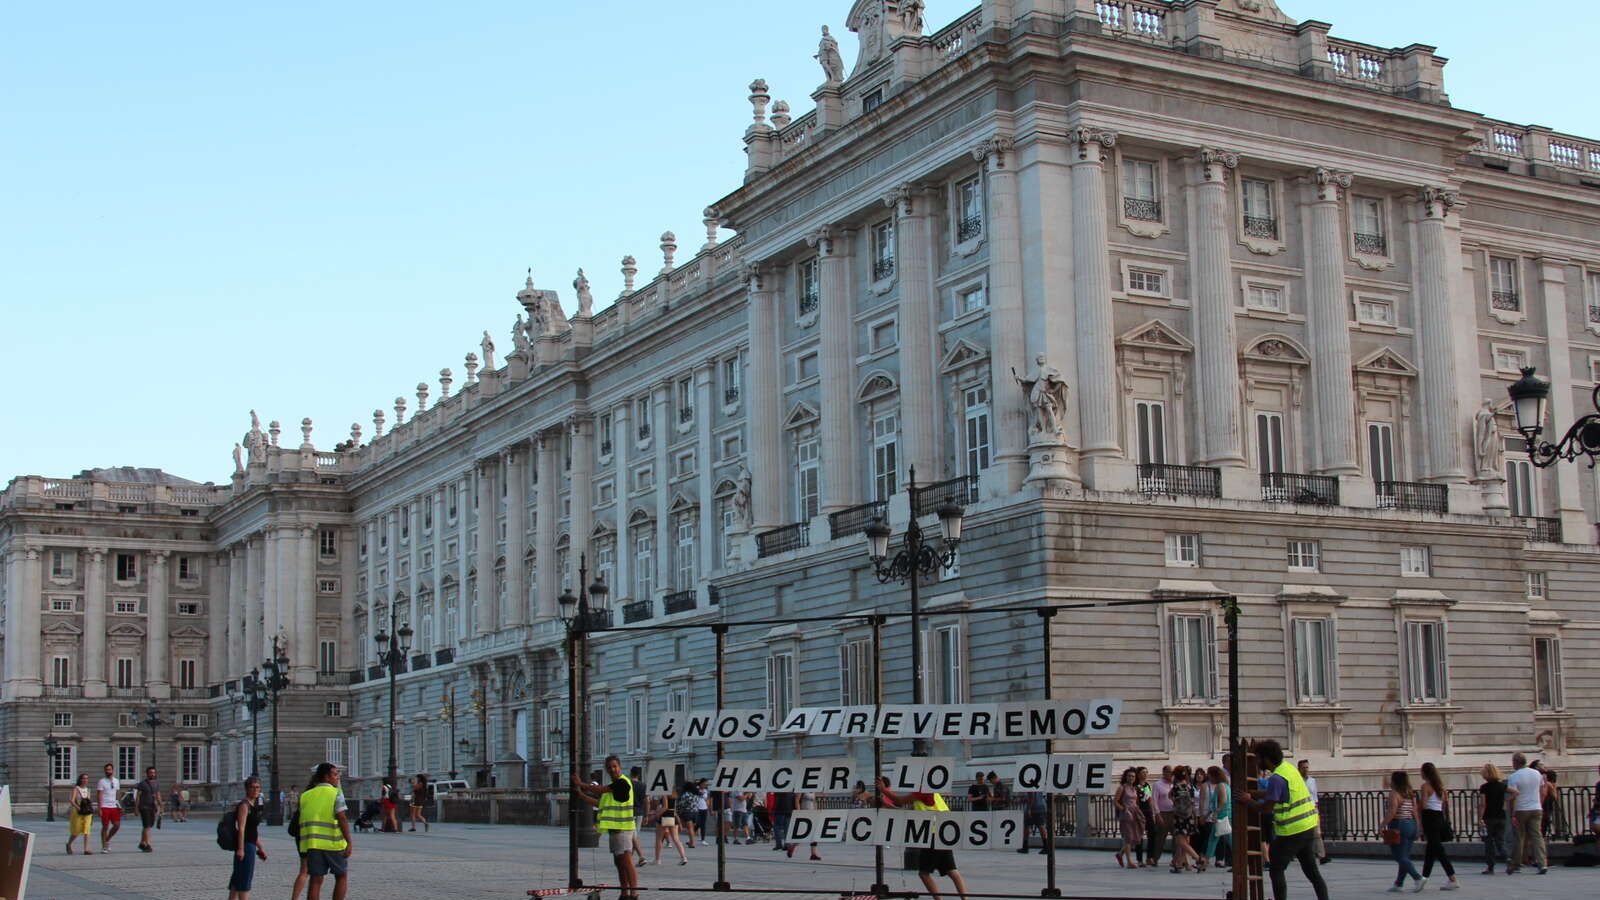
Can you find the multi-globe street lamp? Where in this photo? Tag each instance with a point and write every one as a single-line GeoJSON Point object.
{"type": "Point", "coordinates": [392, 653]}
{"type": "Point", "coordinates": [917, 558]}
{"type": "Point", "coordinates": [580, 619]}
{"type": "Point", "coordinates": [1530, 400]}
{"type": "Point", "coordinates": [274, 680]}
{"type": "Point", "coordinates": [52, 750]}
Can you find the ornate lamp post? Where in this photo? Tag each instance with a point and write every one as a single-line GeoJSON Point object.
{"type": "Point", "coordinates": [464, 744]}
{"type": "Point", "coordinates": [480, 708]}
{"type": "Point", "coordinates": [392, 656]}
{"type": "Point", "coordinates": [52, 750]}
{"type": "Point", "coordinates": [449, 713]}
{"type": "Point", "coordinates": [152, 719]}
{"type": "Point", "coordinates": [274, 679]}
{"type": "Point", "coordinates": [916, 559]}
{"type": "Point", "coordinates": [580, 619]}
{"type": "Point", "coordinates": [253, 697]}
{"type": "Point", "coordinates": [1530, 399]}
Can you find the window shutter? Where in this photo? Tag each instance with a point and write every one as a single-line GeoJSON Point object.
{"type": "Point", "coordinates": [1330, 661]}
{"type": "Point", "coordinates": [1211, 658]}
{"type": "Point", "coordinates": [1175, 650]}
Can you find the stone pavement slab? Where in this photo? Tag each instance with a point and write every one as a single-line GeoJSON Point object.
{"type": "Point", "coordinates": [469, 861]}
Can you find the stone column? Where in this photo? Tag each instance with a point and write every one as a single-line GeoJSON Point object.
{"type": "Point", "coordinates": [94, 623]}
{"type": "Point", "coordinates": [345, 654]}
{"type": "Point", "coordinates": [664, 427]}
{"type": "Point", "coordinates": [1575, 527]}
{"type": "Point", "coordinates": [710, 525]}
{"type": "Point", "coordinates": [441, 625]}
{"type": "Point", "coordinates": [1031, 303]}
{"type": "Point", "coordinates": [364, 642]}
{"type": "Point", "coordinates": [836, 358]}
{"type": "Point", "coordinates": [488, 536]}
{"type": "Point", "coordinates": [1216, 352]}
{"type": "Point", "coordinates": [582, 487]}
{"type": "Point", "coordinates": [219, 584]}
{"type": "Point", "coordinates": [24, 677]}
{"type": "Point", "coordinates": [1436, 351]}
{"type": "Point", "coordinates": [547, 513]}
{"type": "Point", "coordinates": [157, 680]}
{"type": "Point", "coordinates": [303, 661]}
{"type": "Point", "coordinates": [463, 554]}
{"type": "Point", "coordinates": [514, 463]}
{"type": "Point", "coordinates": [233, 665]}
{"type": "Point", "coordinates": [255, 557]}
{"type": "Point", "coordinates": [919, 385]}
{"type": "Point", "coordinates": [1328, 330]}
{"type": "Point", "coordinates": [621, 443]}
{"type": "Point", "coordinates": [1091, 280]}
{"type": "Point", "coordinates": [763, 406]}
{"type": "Point", "coordinates": [271, 609]}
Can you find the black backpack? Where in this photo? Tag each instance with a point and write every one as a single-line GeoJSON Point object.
{"type": "Point", "coordinates": [228, 831]}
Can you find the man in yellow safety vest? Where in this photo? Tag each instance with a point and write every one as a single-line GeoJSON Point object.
{"type": "Point", "coordinates": [1283, 796]}
{"type": "Point", "coordinates": [324, 836]}
{"type": "Point", "coordinates": [929, 859]}
{"type": "Point", "coordinates": [615, 819]}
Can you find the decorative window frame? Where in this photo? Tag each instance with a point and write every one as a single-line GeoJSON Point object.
{"type": "Point", "coordinates": [1312, 602]}
{"type": "Point", "coordinates": [634, 488]}
{"type": "Point", "coordinates": [679, 471]}
{"type": "Point", "coordinates": [809, 318]}
{"type": "Point", "coordinates": [1276, 361]}
{"type": "Point", "coordinates": [1281, 285]}
{"type": "Point", "coordinates": [1165, 297]}
{"type": "Point", "coordinates": [797, 379]}
{"type": "Point", "coordinates": [737, 359]}
{"type": "Point", "coordinates": [1372, 262]}
{"type": "Point", "coordinates": [884, 285]}
{"type": "Point", "coordinates": [1258, 245]}
{"type": "Point", "coordinates": [1421, 606]}
{"type": "Point", "coordinates": [1143, 228]}
{"type": "Point", "coordinates": [970, 246]}
{"type": "Point", "coordinates": [723, 437]}
{"type": "Point", "coordinates": [1505, 316]}
{"type": "Point", "coordinates": [1384, 376]}
{"type": "Point", "coordinates": [952, 315]}
{"type": "Point", "coordinates": [1590, 274]}
{"type": "Point", "coordinates": [1497, 347]}
{"type": "Point", "coordinates": [599, 488]}
{"type": "Point", "coordinates": [871, 326]}
{"type": "Point", "coordinates": [1357, 298]}
{"type": "Point", "coordinates": [1156, 350]}
{"type": "Point", "coordinates": [1174, 540]}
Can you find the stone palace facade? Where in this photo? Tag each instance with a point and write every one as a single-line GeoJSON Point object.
{"type": "Point", "coordinates": [1177, 298]}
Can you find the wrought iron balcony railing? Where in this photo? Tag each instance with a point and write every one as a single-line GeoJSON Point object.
{"type": "Point", "coordinates": [1143, 210]}
{"type": "Point", "coordinates": [445, 656]}
{"type": "Point", "coordinates": [1179, 481]}
{"type": "Point", "coordinates": [962, 490]}
{"type": "Point", "coordinates": [1507, 300]}
{"type": "Point", "coordinates": [1375, 244]}
{"type": "Point", "coordinates": [882, 268]}
{"type": "Point", "coordinates": [638, 611]}
{"type": "Point", "coordinates": [730, 395]}
{"type": "Point", "coordinates": [809, 302]}
{"type": "Point", "coordinates": [968, 228]}
{"type": "Point", "coordinates": [1261, 227]}
{"type": "Point", "coordinates": [784, 539]}
{"type": "Point", "coordinates": [1293, 487]}
{"type": "Point", "coordinates": [678, 601]}
{"type": "Point", "coordinates": [1410, 495]}
{"type": "Point", "coordinates": [1541, 530]}
{"type": "Point", "coordinates": [854, 519]}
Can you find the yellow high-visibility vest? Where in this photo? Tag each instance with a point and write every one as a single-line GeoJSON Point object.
{"type": "Point", "coordinates": [616, 815]}
{"type": "Point", "coordinates": [319, 827]}
{"type": "Point", "coordinates": [938, 804]}
{"type": "Point", "coordinates": [1299, 813]}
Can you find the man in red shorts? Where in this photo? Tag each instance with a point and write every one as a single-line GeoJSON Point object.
{"type": "Point", "coordinates": [110, 808]}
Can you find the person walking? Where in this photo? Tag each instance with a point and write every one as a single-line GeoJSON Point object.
{"type": "Point", "coordinates": [665, 816]}
{"type": "Point", "coordinates": [1146, 794]}
{"type": "Point", "coordinates": [805, 801]}
{"type": "Point", "coordinates": [421, 793]}
{"type": "Point", "coordinates": [1161, 817]}
{"type": "Point", "coordinates": [1131, 854]}
{"type": "Point", "coordinates": [80, 816]}
{"type": "Point", "coordinates": [108, 788]}
{"type": "Point", "coordinates": [929, 859]}
{"type": "Point", "coordinates": [1182, 825]}
{"type": "Point", "coordinates": [1526, 789]}
{"type": "Point", "coordinates": [1402, 818]}
{"type": "Point", "coordinates": [324, 835]}
{"type": "Point", "coordinates": [1286, 802]}
{"type": "Point", "coordinates": [1436, 828]}
{"type": "Point", "coordinates": [782, 803]}
{"type": "Point", "coordinates": [685, 801]}
{"type": "Point", "coordinates": [1203, 815]}
{"type": "Point", "coordinates": [1219, 845]}
{"type": "Point", "coordinates": [978, 794]}
{"type": "Point", "coordinates": [1492, 816]}
{"type": "Point", "coordinates": [183, 805]}
{"type": "Point", "coordinates": [739, 811]}
{"type": "Point", "coordinates": [1552, 825]}
{"type": "Point", "coordinates": [641, 806]}
{"type": "Point", "coordinates": [615, 820]}
{"type": "Point", "coordinates": [1311, 785]}
{"type": "Point", "coordinates": [147, 800]}
{"type": "Point", "coordinates": [247, 816]}
{"type": "Point", "coordinates": [999, 795]}
{"type": "Point", "coordinates": [389, 800]}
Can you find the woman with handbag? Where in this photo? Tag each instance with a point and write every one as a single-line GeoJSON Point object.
{"type": "Point", "coordinates": [1401, 832]}
{"type": "Point", "coordinates": [1436, 827]}
{"type": "Point", "coordinates": [1219, 845]}
{"type": "Point", "coordinates": [82, 815]}
{"type": "Point", "coordinates": [1131, 853]}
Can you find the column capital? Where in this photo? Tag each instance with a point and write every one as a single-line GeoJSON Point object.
{"type": "Point", "coordinates": [994, 153]}
{"type": "Point", "coordinates": [754, 276]}
{"type": "Point", "coordinates": [159, 557]}
{"type": "Point", "coordinates": [308, 531]}
{"type": "Point", "coordinates": [905, 200]}
{"type": "Point", "coordinates": [30, 553]}
{"type": "Point", "coordinates": [97, 554]}
{"type": "Point", "coordinates": [1091, 142]}
{"type": "Point", "coordinates": [1329, 183]}
{"type": "Point", "coordinates": [1214, 163]}
{"type": "Point", "coordinates": [828, 239]}
{"type": "Point", "coordinates": [1437, 202]}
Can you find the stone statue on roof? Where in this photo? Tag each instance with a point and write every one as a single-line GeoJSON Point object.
{"type": "Point", "coordinates": [519, 334]}
{"type": "Point", "coordinates": [828, 56]}
{"type": "Point", "coordinates": [585, 298]}
{"type": "Point", "coordinates": [487, 345]}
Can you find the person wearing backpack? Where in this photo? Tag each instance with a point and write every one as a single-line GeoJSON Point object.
{"type": "Point", "coordinates": [246, 821]}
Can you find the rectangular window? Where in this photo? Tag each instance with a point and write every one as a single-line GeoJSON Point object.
{"type": "Point", "coordinates": [885, 455]}
{"type": "Point", "coordinates": [128, 762]}
{"type": "Point", "coordinates": [333, 751]}
{"type": "Point", "coordinates": [855, 673]}
{"type": "Point", "coordinates": [1510, 359]}
{"type": "Point", "coordinates": [1547, 674]}
{"type": "Point", "coordinates": [605, 562]}
{"type": "Point", "coordinates": [732, 447]}
{"type": "Point", "coordinates": [188, 670]}
{"type": "Point", "coordinates": [327, 543]}
{"type": "Point", "coordinates": [644, 564]}
{"type": "Point", "coordinates": [949, 685]}
{"type": "Point", "coordinates": [64, 765]}
{"type": "Point", "coordinates": [1147, 281]}
{"type": "Point", "coordinates": [405, 516]}
{"type": "Point", "coordinates": [188, 570]}
{"type": "Point", "coordinates": [1426, 677]}
{"type": "Point", "coordinates": [684, 464]}
{"type": "Point", "coordinates": [684, 556]}
{"type": "Point", "coordinates": [641, 414]}
{"type": "Point", "coordinates": [1304, 556]}
{"type": "Point", "coordinates": [1183, 550]}
{"type": "Point", "coordinates": [1414, 562]}
{"type": "Point", "coordinates": [127, 567]}
{"type": "Point", "coordinates": [810, 286]}
{"type": "Point", "coordinates": [728, 517]}
{"type": "Point", "coordinates": [971, 300]}
{"type": "Point", "coordinates": [1140, 196]}
{"type": "Point", "coordinates": [976, 401]}
{"type": "Point", "coordinates": [1592, 281]}
{"type": "Point", "coordinates": [603, 431]}
{"type": "Point", "coordinates": [1380, 451]}
{"type": "Point", "coordinates": [605, 492]}
{"type": "Point", "coordinates": [1194, 662]}
{"type": "Point", "coordinates": [63, 604]}
{"type": "Point", "coordinates": [60, 671]}
{"type": "Point", "coordinates": [327, 656]}
{"type": "Point", "coordinates": [1260, 214]}
{"type": "Point", "coordinates": [427, 515]}
{"type": "Point", "coordinates": [188, 608]}
{"type": "Point", "coordinates": [808, 478]}
{"type": "Point", "coordinates": [1263, 296]}
{"type": "Point", "coordinates": [732, 380]}
{"type": "Point", "coordinates": [63, 720]}
{"type": "Point", "coordinates": [1366, 214]}
{"type": "Point", "coordinates": [125, 606]}
{"type": "Point", "coordinates": [192, 720]}
{"type": "Point", "coordinates": [871, 100]}
{"type": "Point", "coordinates": [1269, 442]}
{"type": "Point", "coordinates": [969, 210]}
{"type": "Point", "coordinates": [1521, 489]}
{"type": "Point", "coordinates": [780, 686]}
{"type": "Point", "coordinates": [1314, 655]}
{"type": "Point", "coordinates": [883, 250]}
{"type": "Point", "coordinates": [638, 727]}
{"type": "Point", "coordinates": [685, 395]}
{"type": "Point", "coordinates": [333, 709]}
{"type": "Point", "coordinates": [189, 763]}
{"type": "Point", "coordinates": [644, 478]}
{"type": "Point", "coordinates": [883, 335]}
{"type": "Point", "coordinates": [1375, 312]}
{"type": "Point", "coordinates": [597, 727]}
{"type": "Point", "coordinates": [327, 585]}
{"type": "Point", "coordinates": [805, 367]}
{"type": "Point", "coordinates": [125, 677]}
{"type": "Point", "coordinates": [1537, 587]}
{"type": "Point", "coordinates": [1150, 418]}
{"type": "Point", "coordinates": [1503, 284]}
{"type": "Point", "coordinates": [63, 563]}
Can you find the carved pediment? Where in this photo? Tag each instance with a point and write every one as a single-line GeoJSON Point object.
{"type": "Point", "coordinates": [680, 502]}
{"type": "Point", "coordinates": [964, 353]}
{"type": "Point", "coordinates": [601, 529]}
{"type": "Point", "coordinates": [1386, 362]}
{"type": "Point", "coordinates": [126, 629]}
{"type": "Point", "coordinates": [190, 631]}
{"type": "Point", "coordinates": [876, 384]}
{"type": "Point", "coordinates": [725, 487]}
{"type": "Point", "coordinates": [801, 414]}
{"type": "Point", "coordinates": [1277, 348]}
{"type": "Point", "coordinates": [1157, 335]}
{"type": "Point", "coordinates": [61, 629]}
{"type": "Point", "coordinates": [639, 516]}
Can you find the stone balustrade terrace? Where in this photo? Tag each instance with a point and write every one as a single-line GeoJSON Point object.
{"type": "Point", "coordinates": [40, 492]}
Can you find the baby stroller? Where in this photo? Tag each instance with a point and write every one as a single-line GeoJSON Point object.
{"type": "Point", "coordinates": [370, 813]}
{"type": "Point", "coordinates": [761, 822]}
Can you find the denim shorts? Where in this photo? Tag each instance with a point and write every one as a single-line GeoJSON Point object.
{"type": "Point", "coordinates": [326, 862]}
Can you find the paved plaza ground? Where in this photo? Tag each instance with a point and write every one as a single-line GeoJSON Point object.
{"type": "Point", "coordinates": [506, 861]}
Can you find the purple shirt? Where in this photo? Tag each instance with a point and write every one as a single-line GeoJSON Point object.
{"type": "Point", "coordinates": [1161, 797]}
{"type": "Point", "coordinates": [1277, 790]}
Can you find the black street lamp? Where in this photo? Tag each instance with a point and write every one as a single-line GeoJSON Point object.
{"type": "Point", "coordinates": [449, 712]}
{"type": "Point", "coordinates": [274, 679]}
{"type": "Point", "coordinates": [1530, 399]}
{"type": "Point", "coordinates": [392, 656]}
{"type": "Point", "coordinates": [916, 559]}
{"type": "Point", "coordinates": [464, 744]}
{"type": "Point", "coordinates": [153, 719]}
{"type": "Point", "coordinates": [580, 620]}
{"type": "Point", "coordinates": [253, 697]}
{"type": "Point", "coordinates": [52, 750]}
{"type": "Point", "coordinates": [480, 708]}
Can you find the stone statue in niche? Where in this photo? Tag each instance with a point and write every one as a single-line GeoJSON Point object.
{"type": "Point", "coordinates": [741, 499]}
{"type": "Point", "coordinates": [487, 345]}
{"type": "Point", "coordinates": [828, 56]}
{"type": "Point", "coordinates": [585, 298]}
{"type": "Point", "coordinates": [1488, 449]}
{"type": "Point", "coordinates": [1047, 394]}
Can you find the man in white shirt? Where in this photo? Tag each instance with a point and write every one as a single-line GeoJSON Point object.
{"type": "Point", "coordinates": [1317, 845]}
{"type": "Point", "coordinates": [109, 788]}
{"type": "Point", "coordinates": [1524, 788]}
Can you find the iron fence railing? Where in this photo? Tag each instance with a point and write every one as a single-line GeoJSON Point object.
{"type": "Point", "coordinates": [1357, 815]}
{"type": "Point", "coordinates": [968, 228]}
{"type": "Point", "coordinates": [1144, 210]}
{"type": "Point", "coordinates": [1375, 244]}
{"type": "Point", "coordinates": [1187, 481]}
{"type": "Point", "coordinates": [1261, 227]}
{"type": "Point", "coordinates": [1544, 531]}
{"type": "Point", "coordinates": [678, 601]}
{"type": "Point", "coordinates": [1293, 487]}
{"type": "Point", "coordinates": [784, 539]}
{"type": "Point", "coordinates": [447, 655]}
{"type": "Point", "coordinates": [962, 489]}
{"type": "Point", "coordinates": [1413, 496]}
{"type": "Point", "coordinates": [854, 519]}
{"type": "Point", "coordinates": [638, 611]}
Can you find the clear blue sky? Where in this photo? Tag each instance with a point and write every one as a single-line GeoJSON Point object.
{"type": "Point", "coordinates": [308, 208]}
